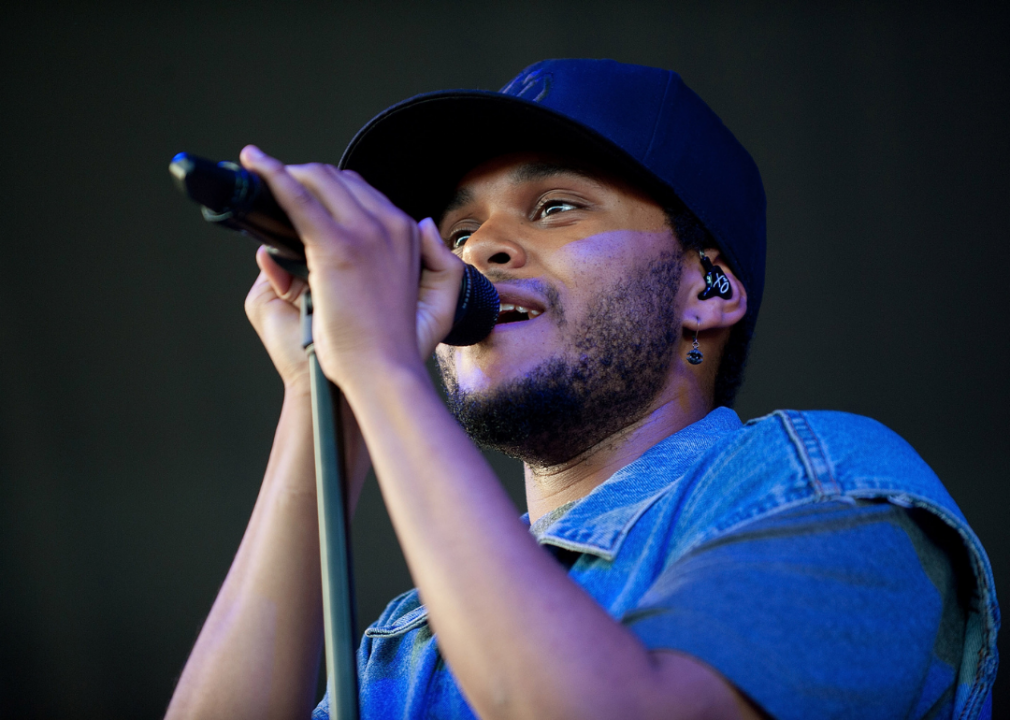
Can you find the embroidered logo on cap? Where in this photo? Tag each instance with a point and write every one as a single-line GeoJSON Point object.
{"type": "Point", "coordinates": [533, 86]}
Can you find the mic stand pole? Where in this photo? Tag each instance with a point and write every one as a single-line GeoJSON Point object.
{"type": "Point", "coordinates": [334, 534]}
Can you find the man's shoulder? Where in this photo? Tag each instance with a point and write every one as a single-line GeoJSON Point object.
{"type": "Point", "coordinates": [791, 458]}
{"type": "Point", "coordinates": [830, 453]}
{"type": "Point", "coordinates": [843, 434]}
{"type": "Point", "coordinates": [854, 448]}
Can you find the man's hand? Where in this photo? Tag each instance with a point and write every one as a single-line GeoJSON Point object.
{"type": "Point", "coordinates": [273, 308]}
{"type": "Point", "coordinates": [373, 306]}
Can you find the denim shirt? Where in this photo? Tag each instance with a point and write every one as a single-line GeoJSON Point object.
{"type": "Point", "coordinates": [717, 479]}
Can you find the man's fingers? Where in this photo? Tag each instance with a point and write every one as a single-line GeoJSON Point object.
{"type": "Point", "coordinates": [355, 204]}
{"type": "Point", "coordinates": [259, 294]}
{"type": "Point", "coordinates": [435, 256]}
{"type": "Point", "coordinates": [366, 195]}
{"type": "Point", "coordinates": [285, 285]}
{"type": "Point", "coordinates": [323, 202]}
{"type": "Point", "coordinates": [393, 218]}
{"type": "Point", "coordinates": [325, 183]}
{"type": "Point", "coordinates": [312, 221]}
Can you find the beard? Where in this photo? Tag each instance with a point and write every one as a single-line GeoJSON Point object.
{"type": "Point", "coordinates": [618, 362]}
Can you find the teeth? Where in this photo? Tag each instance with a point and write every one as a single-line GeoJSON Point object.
{"type": "Point", "coordinates": [509, 307]}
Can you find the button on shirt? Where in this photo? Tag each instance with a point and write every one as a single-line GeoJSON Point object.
{"type": "Point", "coordinates": [813, 559]}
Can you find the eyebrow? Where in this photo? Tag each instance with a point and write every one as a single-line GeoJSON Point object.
{"type": "Point", "coordinates": [527, 172]}
{"type": "Point", "coordinates": [460, 198]}
{"type": "Point", "coordinates": [542, 169]}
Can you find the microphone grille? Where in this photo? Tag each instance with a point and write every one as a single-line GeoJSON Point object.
{"type": "Point", "coordinates": [476, 309]}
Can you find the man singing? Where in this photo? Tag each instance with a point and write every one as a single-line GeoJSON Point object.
{"type": "Point", "coordinates": [674, 562]}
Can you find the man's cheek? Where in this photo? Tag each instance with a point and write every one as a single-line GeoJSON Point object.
{"type": "Point", "coordinates": [604, 254]}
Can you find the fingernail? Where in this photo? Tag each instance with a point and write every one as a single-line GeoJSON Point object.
{"type": "Point", "coordinates": [427, 225]}
{"type": "Point", "coordinates": [253, 152]}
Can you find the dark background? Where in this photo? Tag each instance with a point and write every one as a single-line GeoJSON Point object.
{"type": "Point", "coordinates": [137, 406]}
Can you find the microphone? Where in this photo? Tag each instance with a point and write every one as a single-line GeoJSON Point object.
{"type": "Point", "coordinates": [234, 198]}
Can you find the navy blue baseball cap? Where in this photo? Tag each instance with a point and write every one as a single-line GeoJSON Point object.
{"type": "Point", "coordinates": [642, 123]}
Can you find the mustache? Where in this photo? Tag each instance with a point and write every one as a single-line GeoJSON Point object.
{"type": "Point", "coordinates": [541, 288]}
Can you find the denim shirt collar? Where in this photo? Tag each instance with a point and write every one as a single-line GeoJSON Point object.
{"type": "Point", "coordinates": [598, 523]}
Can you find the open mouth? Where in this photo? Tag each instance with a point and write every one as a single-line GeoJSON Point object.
{"type": "Point", "coordinates": [509, 313]}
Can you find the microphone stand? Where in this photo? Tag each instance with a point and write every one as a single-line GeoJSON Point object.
{"type": "Point", "coordinates": [334, 534]}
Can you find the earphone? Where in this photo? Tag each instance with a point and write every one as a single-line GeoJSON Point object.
{"type": "Point", "coordinates": [716, 285]}
{"type": "Point", "coordinates": [716, 282]}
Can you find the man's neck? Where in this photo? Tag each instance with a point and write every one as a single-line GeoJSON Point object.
{"type": "Point", "coordinates": [549, 487]}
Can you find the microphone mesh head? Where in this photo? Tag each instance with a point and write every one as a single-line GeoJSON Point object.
{"type": "Point", "coordinates": [476, 309]}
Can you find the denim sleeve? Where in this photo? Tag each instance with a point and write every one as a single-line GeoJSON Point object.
{"type": "Point", "coordinates": [826, 610]}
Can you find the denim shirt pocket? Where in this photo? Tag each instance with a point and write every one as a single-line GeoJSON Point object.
{"type": "Point", "coordinates": [402, 625]}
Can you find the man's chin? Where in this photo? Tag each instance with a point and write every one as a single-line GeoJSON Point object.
{"type": "Point", "coordinates": [483, 374]}
{"type": "Point", "coordinates": [520, 418]}
{"type": "Point", "coordinates": [551, 414]}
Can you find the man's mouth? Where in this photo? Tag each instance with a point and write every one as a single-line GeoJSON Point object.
{"type": "Point", "coordinates": [521, 300]}
{"type": "Point", "coordinates": [509, 313]}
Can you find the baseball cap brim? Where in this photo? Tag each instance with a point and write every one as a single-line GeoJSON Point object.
{"type": "Point", "coordinates": [417, 151]}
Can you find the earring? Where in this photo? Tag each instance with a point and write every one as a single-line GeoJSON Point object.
{"type": "Point", "coordinates": [694, 356]}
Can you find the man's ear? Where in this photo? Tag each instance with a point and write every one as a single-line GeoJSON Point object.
{"type": "Point", "coordinates": [718, 309]}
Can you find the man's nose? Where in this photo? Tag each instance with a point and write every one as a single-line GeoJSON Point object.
{"type": "Point", "coordinates": [495, 245]}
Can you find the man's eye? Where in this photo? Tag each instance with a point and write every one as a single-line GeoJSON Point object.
{"type": "Point", "coordinates": [459, 240]}
{"type": "Point", "coordinates": [553, 207]}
